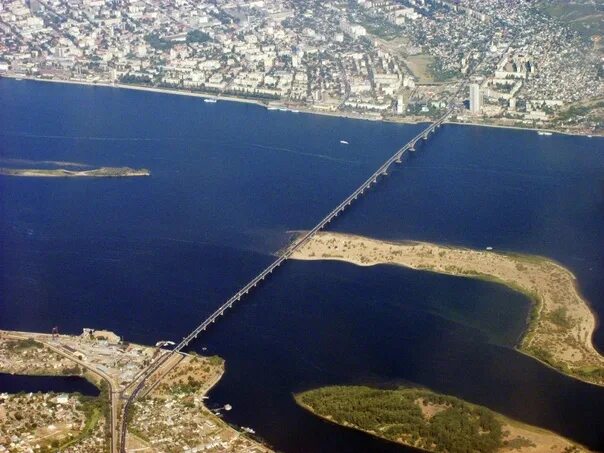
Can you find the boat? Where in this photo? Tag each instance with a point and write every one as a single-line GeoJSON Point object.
{"type": "Point", "coordinates": [344, 142]}
{"type": "Point", "coordinates": [489, 248]}
{"type": "Point", "coordinates": [271, 108]}
{"type": "Point", "coordinates": [210, 101]}
{"type": "Point", "coordinates": [295, 111]}
{"type": "Point", "coordinates": [544, 133]}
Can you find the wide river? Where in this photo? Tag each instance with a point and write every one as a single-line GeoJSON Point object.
{"type": "Point", "coordinates": [151, 257]}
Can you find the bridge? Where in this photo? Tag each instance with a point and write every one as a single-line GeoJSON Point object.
{"type": "Point", "coordinates": [396, 158]}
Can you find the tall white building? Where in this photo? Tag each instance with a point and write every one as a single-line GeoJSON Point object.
{"type": "Point", "coordinates": [475, 98]}
{"type": "Point", "coordinates": [400, 106]}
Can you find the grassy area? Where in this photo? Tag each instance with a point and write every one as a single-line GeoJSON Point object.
{"type": "Point", "coordinates": [94, 408]}
{"type": "Point", "coordinates": [412, 416]}
{"type": "Point", "coordinates": [585, 16]}
{"type": "Point", "coordinates": [17, 346]}
{"type": "Point", "coordinates": [420, 65]}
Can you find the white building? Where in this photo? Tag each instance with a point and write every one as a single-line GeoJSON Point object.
{"type": "Point", "coordinates": [400, 106]}
{"type": "Point", "coordinates": [475, 98]}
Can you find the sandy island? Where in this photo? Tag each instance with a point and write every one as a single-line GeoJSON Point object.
{"type": "Point", "coordinates": [561, 325]}
{"type": "Point", "coordinates": [102, 172]}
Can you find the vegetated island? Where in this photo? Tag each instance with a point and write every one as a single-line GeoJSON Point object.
{"type": "Point", "coordinates": [429, 421]}
{"type": "Point", "coordinates": [102, 172]}
{"type": "Point", "coordinates": [560, 326]}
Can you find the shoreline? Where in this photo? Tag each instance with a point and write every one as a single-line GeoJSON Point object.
{"type": "Point", "coordinates": [297, 109]}
{"type": "Point", "coordinates": [206, 372]}
{"type": "Point", "coordinates": [311, 411]}
{"type": "Point", "coordinates": [515, 428]}
{"type": "Point", "coordinates": [560, 325]}
{"type": "Point", "coordinates": [102, 172]}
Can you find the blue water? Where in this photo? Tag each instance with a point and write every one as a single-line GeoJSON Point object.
{"type": "Point", "coordinates": [15, 383]}
{"type": "Point", "coordinates": [150, 257]}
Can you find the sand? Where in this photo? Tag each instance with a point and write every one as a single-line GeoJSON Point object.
{"type": "Point", "coordinates": [560, 330]}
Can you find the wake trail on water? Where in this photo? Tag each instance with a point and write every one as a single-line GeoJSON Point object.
{"type": "Point", "coordinates": [219, 142]}
{"type": "Point", "coordinates": [84, 137]}
{"type": "Point", "coordinates": [44, 162]}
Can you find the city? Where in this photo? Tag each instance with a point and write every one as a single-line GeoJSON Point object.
{"type": "Point", "coordinates": [375, 59]}
{"type": "Point", "coordinates": [350, 225]}
{"type": "Point", "coordinates": [172, 417]}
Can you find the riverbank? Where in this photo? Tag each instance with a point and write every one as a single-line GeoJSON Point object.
{"type": "Point", "coordinates": [429, 421]}
{"type": "Point", "coordinates": [174, 408]}
{"type": "Point", "coordinates": [561, 324]}
{"type": "Point", "coordinates": [292, 108]}
{"type": "Point", "coordinates": [103, 172]}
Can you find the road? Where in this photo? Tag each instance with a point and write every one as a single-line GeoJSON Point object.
{"type": "Point", "coordinates": [54, 344]}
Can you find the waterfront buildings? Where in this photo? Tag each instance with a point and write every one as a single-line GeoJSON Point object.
{"type": "Point", "coordinates": [475, 99]}
{"type": "Point", "coordinates": [354, 57]}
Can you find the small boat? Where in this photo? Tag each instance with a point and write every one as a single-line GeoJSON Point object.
{"type": "Point", "coordinates": [283, 110]}
{"type": "Point", "coordinates": [248, 430]}
{"type": "Point", "coordinates": [295, 111]}
{"type": "Point", "coordinates": [590, 136]}
{"type": "Point", "coordinates": [210, 101]}
{"type": "Point", "coordinates": [271, 108]}
{"type": "Point", "coordinates": [344, 142]}
{"type": "Point", "coordinates": [544, 133]}
{"type": "Point", "coordinates": [489, 248]}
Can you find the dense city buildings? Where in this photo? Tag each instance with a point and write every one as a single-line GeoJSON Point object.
{"type": "Point", "coordinates": [377, 59]}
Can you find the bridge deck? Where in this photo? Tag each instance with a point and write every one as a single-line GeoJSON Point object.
{"type": "Point", "coordinates": [286, 254]}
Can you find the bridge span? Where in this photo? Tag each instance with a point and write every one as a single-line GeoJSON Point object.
{"type": "Point", "coordinates": [284, 256]}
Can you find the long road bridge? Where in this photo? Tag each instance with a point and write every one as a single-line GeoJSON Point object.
{"type": "Point", "coordinates": [140, 383]}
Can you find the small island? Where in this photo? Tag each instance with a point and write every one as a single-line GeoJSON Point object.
{"type": "Point", "coordinates": [429, 421]}
{"type": "Point", "coordinates": [102, 172]}
{"type": "Point", "coordinates": [560, 326]}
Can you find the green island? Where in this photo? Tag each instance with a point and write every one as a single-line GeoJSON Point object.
{"type": "Point", "coordinates": [429, 421]}
{"type": "Point", "coordinates": [102, 172]}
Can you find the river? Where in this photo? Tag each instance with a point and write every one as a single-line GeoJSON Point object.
{"type": "Point", "coordinates": [150, 257]}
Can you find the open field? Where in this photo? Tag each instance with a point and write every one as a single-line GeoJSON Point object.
{"type": "Point", "coordinates": [561, 324]}
{"type": "Point", "coordinates": [419, 65]}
